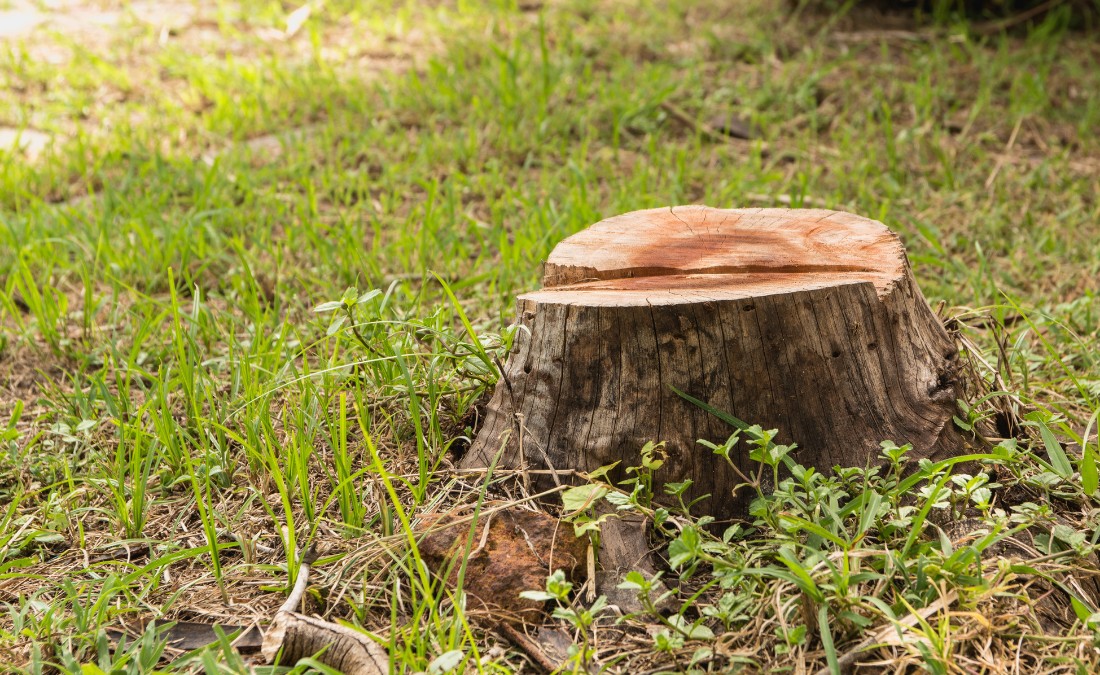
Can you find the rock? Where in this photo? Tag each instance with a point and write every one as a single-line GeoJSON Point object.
{"type": "Point", "coordinates": [521, 549]}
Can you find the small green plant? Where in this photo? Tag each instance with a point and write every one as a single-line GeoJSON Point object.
{"type": "Point", "coordinates": [141, 656]}
{"type": "Point", "coordinates": [352, 510]}
{"type": "Point", "coordinates": [344, 313]}
{"type": "Point", "coordinates": [128, 479]}
{"type": "Point", "coordinates": [653, 457]}
{"type": "Point", "coordinates": [579, 617]}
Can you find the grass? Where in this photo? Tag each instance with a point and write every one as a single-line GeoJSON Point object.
{"type": "Point", "coordinates": [183, 413]}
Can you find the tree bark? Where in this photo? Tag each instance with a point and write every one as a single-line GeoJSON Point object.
{"type": "Point", "coordinates": [808, 321]}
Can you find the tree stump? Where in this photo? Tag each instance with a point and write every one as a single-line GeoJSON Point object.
{"type": "Point", "coordinates": [807, 321]}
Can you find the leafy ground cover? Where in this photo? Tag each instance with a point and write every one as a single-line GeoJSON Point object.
{"type": "Point", "coordinates": [257, 265]}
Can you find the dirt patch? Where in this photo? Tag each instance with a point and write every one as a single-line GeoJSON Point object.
{"type": "Point", "coordinates": [29, 142]}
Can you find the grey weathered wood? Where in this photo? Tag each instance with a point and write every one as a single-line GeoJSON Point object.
{"type": "Point", "coordinates": [808, 321]}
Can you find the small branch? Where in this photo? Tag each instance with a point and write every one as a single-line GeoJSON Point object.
{"type": "Point", "coordinates": [299, 590]}
{"type": "Point", "coordinates": [784, 199]}
{"type": "Point", "coordinates": [528, 647]}
{"type": "Point", "coordinates": [702, 128]}
{"type": "Point", "coordinates": [888, 635]}
{"type": "Point", "coordinates": [1000, 160]}
{"type": "Point", "coordinates": [994, 27]}
{"type": "Point", "coordinates": [484, 538]}
{"type": "Point", "coordinates": [854, 37]}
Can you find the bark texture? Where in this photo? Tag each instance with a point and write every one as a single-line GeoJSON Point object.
{"type": "Point", "coordinates": [808, 321]}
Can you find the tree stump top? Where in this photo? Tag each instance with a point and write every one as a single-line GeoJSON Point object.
{"type": "Point", "coordinates": [697, 253]}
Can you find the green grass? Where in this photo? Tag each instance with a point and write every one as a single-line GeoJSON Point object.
{"type": "Point", "coordinates": [170, 385]}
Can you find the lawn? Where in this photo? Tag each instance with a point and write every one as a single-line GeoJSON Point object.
{"type": "Point", "coordinates": [183, 186]}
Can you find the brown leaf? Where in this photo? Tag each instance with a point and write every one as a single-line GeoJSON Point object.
{"type": "Point", "coordinates": [734, 126]}
{"type": "Point", "coordinates": [190, 635]}
{"type": "Point", "coordinates": [294, 636]}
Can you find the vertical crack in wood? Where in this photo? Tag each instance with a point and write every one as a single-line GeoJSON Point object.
{"type": "Point", "coordinates": [597, 402]}
{"type": "Point", "coordinates": [660, 377]}
{"type": "Point", "coordinates": [741, 457]}
{"type": "Point", "coordinates": [852, 372]}
{"type": "Point", "coordinates": [916, 418]}
{"type": "Point", "coordinates": [557, 404]}
{"type": "Point", "coordinates": [698, 422]}
{"type": "Point", "coordinates": [767, 366]}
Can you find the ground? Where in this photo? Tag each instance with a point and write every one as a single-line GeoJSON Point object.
{"type": "Point", "coordinates": [183, 185]}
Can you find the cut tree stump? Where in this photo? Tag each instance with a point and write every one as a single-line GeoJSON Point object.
{"type": "Point", "coordinates": [807, 321]}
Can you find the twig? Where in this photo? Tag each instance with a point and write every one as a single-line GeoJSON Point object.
{"type": "Point", "coordinates": [849, 658]}
{"type": "Point", "coordinates": [701, 127]}
{"type": "Point", "coordinates": [515, 472]}
{"type": "Point", "coordinates": [881, 35]}
{"type": "Point", "coordinates": [528, 647]}
{"type": "Point", "coordinates": [784, 199]}
{"type": "Point", "coordinates": [591, 570]}
{"type": "Point", "coordinates": [1003, 24]}
{"type": "Point", "coordinates": [525, 474]}
{"type": "Point", "coordinates": [545, 458]}
{"type": "Point", "coordinates": [299, 590]}
{"type": "Point", "coordinates": [484, 538]}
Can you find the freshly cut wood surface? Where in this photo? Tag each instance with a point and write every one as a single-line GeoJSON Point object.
{"type": "Point", "coordinates": [807, 321]}
{"type": "Point", "coordinates": [741, 243]}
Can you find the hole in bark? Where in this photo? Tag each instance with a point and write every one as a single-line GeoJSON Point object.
{"type": "Point", "coordinates": [836, 353]}
{"type": "Point", "coordinates": [527, 368]}
{"type": "Point", "coordinates": [872, 346]}
{"type": "Point", "coordinates": [944, 383]}
{"type": "Point", "coordinates": [749, 308]}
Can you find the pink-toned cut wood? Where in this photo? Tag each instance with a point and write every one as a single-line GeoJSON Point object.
{"type": "Point", "coordinates": [807, 321]}
{"type": "Point", "coordinates": [693, 240]}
